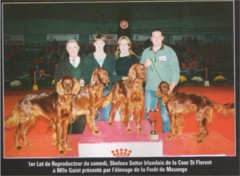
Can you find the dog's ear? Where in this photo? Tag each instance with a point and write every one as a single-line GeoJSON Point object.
{"type": "Point", "coordinates": [163, 92]}
{"type": "Point", "coordinates": [59, 87]}
{"type": "Point", "coordinates": [132, 74]}
{"type": "Point", "coordinates": [95, 77]}
{"type": "Point", "coordinates": [76, 86]}
{"type": "Point", "coordinates": [165, 100]}
{"type": "Point", "coordinates": [101, 74]}
{"type": "Point", "coordinates": [129, 83]}
{"type": "Point", "coordinates": [159, 93]}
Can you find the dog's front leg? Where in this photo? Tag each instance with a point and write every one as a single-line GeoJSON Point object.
{"type": "Point", "coordinates": [127, 118]}
{"type": "Point", "coordinates": [59, 137]}
{"type": "Point", "coordinates": [112, 114]}
{"type": "Point", "coordinates": [137, 116]}
{"type": "Point", "coordinates": [91, 121]}
{"type": "Point", "coordinates": [172, 126]}
{"type": "Point", "coordinates": [54, 135]}
{"type": "Point", "coordinates": [64, 134]}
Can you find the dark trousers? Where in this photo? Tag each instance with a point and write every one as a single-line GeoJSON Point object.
{"type": "Point", "coordinates": [78, 126]}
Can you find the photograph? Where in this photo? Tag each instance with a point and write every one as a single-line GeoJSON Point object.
{"type": "Point", "coordinates": [120, 87]}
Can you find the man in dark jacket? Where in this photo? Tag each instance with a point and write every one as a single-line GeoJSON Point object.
{"type": "Point", "coordinates": [72, 66]}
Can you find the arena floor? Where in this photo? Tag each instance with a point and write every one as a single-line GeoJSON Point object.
{"type": "Point", "coordinates": [221, 140]}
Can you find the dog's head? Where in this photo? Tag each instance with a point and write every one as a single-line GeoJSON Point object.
{"type": "Point", "coordinates": [137, 71]}
{"type": "Point", "coordinates": [68, 86]}
{"type": "Point", "coordinates": [163, 89]}
{"type": "Point", "coordinates": [100, 75]}
{"type": "Point", "coordinates": [163, 92]}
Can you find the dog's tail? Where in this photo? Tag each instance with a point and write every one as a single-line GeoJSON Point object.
{"type": "Point", "coordinates": [13, 119]}
{"type": "Point", "coordinates": [107, 99]}
{"type": "Point", "coordinates": [225, 109]}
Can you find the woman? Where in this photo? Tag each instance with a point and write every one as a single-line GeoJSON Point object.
{"type": "Point", "coordinates": [125, 56]}
{"type": "Point", "coordinates": [125, 59]}
{"type": "Point", "coordinates": [99, 58]}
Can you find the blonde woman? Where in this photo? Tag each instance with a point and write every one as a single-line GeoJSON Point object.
{"type": "Point", "coordinates": [125, 56]}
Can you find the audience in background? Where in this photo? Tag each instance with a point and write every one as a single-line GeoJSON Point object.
{"type": "Point", "coordinates": [192, 55]}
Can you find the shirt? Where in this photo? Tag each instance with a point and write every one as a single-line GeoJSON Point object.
{"type": "Point", "coordinates": [109, 64]}
{"type": "Point", "coordinates": [75, 61]}
{"type": "Point", "coordinates": [123, 64]}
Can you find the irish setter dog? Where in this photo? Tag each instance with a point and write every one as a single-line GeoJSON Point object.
{"type": "Point", "coordinates": [90, 98]}
{"type": "Point", "coordinates": [54, 106]}
{"type": "Point", "coordinates": [178, 104]}
{"type": "Point", "coordinates": [128, 97]}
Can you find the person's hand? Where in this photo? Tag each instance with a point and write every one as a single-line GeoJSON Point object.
{"type": "Point", "coordinates": [148, 63]}
{"type": "Point", "coordinates": [81, 82]}
{"type": "Point", "coordinates": [124, 78]}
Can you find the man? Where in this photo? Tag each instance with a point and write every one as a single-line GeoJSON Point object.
{"type": "Point", "coordinates": [162, 65]}
{"type": "Point", "coordinates": [72, 66]}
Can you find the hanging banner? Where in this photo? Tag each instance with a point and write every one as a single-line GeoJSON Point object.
{"type": "Point", "coordinates": [62, 37]}
{"type": "Point", "coordinates": [140, 37]}
{"type": "Point", "coordinates": [13, 39]}
{"type": "Point", "coordinates": [111, 39]}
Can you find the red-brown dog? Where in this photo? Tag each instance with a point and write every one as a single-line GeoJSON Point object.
{"type": "Point", "coordinates": [128, 96]}
{"type": "Point", "coordinates": [178, 104]}
{"type": "Point", "coordinates": [54, 106]}
{"type": "Point", "coordinates": [90, 98]}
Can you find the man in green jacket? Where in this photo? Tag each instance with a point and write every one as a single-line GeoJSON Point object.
{"type": "Point", "coordinates": [162, 65]}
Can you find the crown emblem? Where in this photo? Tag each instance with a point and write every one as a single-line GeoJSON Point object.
{"type": "Point", "coordinates": [121, 152]}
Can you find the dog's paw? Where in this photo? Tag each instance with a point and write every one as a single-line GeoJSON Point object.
{"type": "Point", "coordinates": [61, 152]}
{"type": "Point", "coordinates": [170, 137]}
{"type": "Point", "coordinates": [29, 144]}
{"type": "Point", "coordinates": [202, 138]}
{"type": "Point", "coordinates": [97, 132]}
{"type": "Point", "coordinates": [128, 130]}
{"type": "Point", "coordinates": [139, 129]}
{"type": "Point", "coordinates": [199, 141]}
{"type": "Point", "coordinates": [19, 147]}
